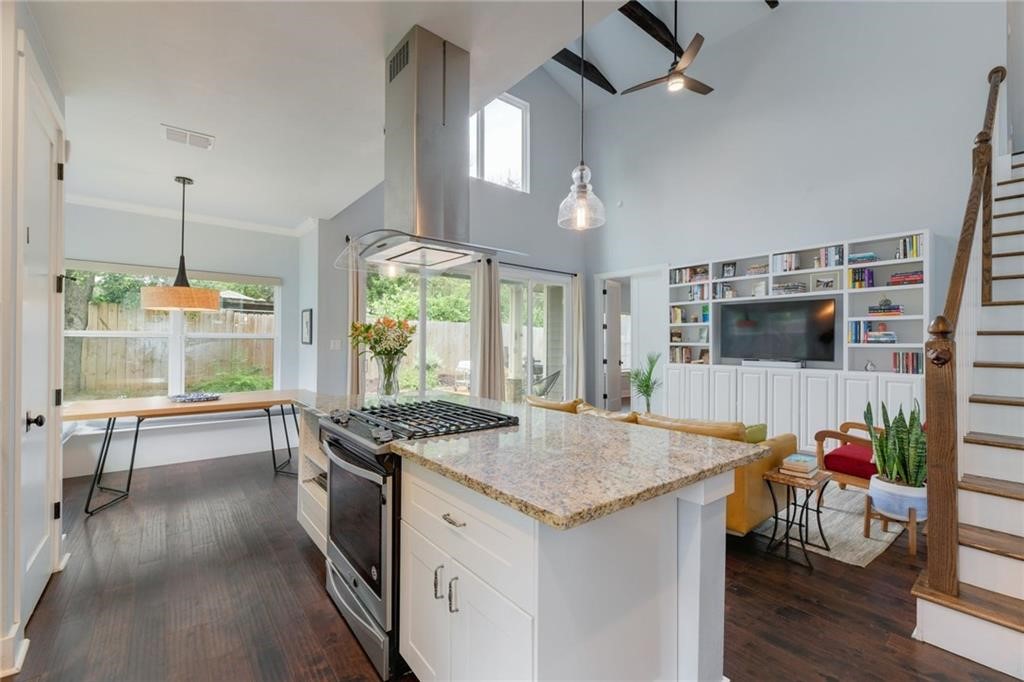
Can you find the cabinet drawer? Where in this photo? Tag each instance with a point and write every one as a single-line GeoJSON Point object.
{"type": "Point", "coordinates": [494, 541]}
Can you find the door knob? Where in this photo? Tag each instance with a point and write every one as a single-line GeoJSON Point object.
{"type": "Point", "coordinates": [31, 421]}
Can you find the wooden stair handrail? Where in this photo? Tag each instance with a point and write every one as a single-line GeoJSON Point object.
{"type": "Point", "coordinates": [940, 370]}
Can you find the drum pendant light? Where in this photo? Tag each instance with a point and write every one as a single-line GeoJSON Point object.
{"type": "Point", "coordinates": [180, 295]}
{"type": "Point", "coordinates": [581, 209]}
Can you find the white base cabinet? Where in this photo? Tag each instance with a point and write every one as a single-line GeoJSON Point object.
{"type": "Point", "coordinates": [638, 594]}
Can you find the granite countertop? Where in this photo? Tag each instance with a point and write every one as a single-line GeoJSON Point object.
{"type": "Point", "coordinates": [565, 469]}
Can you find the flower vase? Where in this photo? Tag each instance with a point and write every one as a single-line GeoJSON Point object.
{"type": "Point", "coordinates": [387, 365]}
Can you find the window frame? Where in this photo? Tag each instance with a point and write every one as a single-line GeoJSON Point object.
{"type": "Point", "coordinates": [176, 335]}
{"type": "Point", "coordinates": [480, 134]}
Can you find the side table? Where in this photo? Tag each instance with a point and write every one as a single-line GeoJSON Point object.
{"type": "Point", "coordinates": [797, 512]}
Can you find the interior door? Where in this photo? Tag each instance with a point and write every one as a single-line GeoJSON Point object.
{"type": "Point", "coordinates": [612, 358]}
{"type": "Point", "coordinates": [40, 194]}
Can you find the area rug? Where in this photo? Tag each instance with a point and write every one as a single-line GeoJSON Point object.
{"type": "Point", "coordinates": [842, 519]}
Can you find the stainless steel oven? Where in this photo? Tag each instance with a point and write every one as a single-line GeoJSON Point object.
{"type": "Point", "coordinates": [363, 515]}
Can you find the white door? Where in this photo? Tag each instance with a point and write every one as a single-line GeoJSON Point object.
{"type": "Point", "coordinates": [817, 405]}
{"type": "Point", "coordinates": [752, 395]}
{"type": "Point", "coordinates": [425, 636]}
{"type": "Point", "coordinates": [723, 393]}
{"type": "Point", "coordinates": [492, 638]}
{"type": "Point", "coordinates": [783, 402]}
{"type": "Point", "coordinates": [40, 200]}
{"type": "Point", "coordinates": [612, 358]}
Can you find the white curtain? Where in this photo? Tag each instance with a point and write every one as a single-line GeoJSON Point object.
{"type": "Point", "coordinates": [578, 387]}
{"type": "Point", "coordinates": [487, 374]}
{"type": "Point", "coordinates": [355, 314]}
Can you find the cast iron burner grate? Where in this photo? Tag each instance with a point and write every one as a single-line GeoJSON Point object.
{"type": "Point", "coordinates": [427, 418]}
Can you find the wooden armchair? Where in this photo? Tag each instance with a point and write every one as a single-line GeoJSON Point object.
{"type": "Point", "coordinates": [850, 463]}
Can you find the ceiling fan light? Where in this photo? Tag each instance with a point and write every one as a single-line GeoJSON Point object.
{"type": "Point", "coordinates": [581, 209]}
{"type": "Point", "coordinates": [676, 82]}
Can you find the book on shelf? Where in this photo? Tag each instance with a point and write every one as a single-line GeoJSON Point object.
{"type": "Point", "coordinates": [780, 288]}
{"type": "Point", "coordinates": [696, 273]}
{"type": "Point", "coordinates": [908, 247]}
{"type": "Point", "coordinates": [861, 278]}
{"type": "Point", "coordinates": [867, 332]}
{"type": "Point", "coordinates": [829, 256]}
{"type": "Point", "coordinates": [787, 262]}
{"type": "Point", "coordinates": [866, 257]}
{"type": "Point", "coordinates": [907, 363]}
{"type": "Point", "coordinates": [901, 278]}
{"type": "Point", "coordinates": [800, 462]}
{"type": "Point", "coordinates": [887, 310]}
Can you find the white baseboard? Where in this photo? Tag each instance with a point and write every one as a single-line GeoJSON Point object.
{"type": "Point", "coordinates": [161, 443]}
{"type": "Point", "coordinates": [13, 649]}
{"type": "Point", "coordinates": [986, 643]}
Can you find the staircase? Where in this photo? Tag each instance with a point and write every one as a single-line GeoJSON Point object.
{"type": "Point", "coordinates": [971, 597]}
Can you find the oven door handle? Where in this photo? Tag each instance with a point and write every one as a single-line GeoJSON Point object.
{"type": "Point", "coordinates": [349, 467]}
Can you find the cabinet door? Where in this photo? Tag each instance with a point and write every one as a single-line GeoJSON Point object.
{"type": "Point", "coordinates": [752, 393]}
{"type": "Point", "coordinates": [856, 391]}
{"type": "Point", "coordinates": [723, 393]}
{"type": "Point", "coordinates": [900, 390]}
{"type": "Point", "coordinates": [674, 391]}
{"type": "Point", "coordinates": [695, 385]}
{"type": "Point", "coordinates": [425, 625]}
{"type": "Point", "coordinates": [783, 401]}
{"type": "Point", "coordinates": [491, 638]}
{"type": "Point", "coordinates": [818, 396]}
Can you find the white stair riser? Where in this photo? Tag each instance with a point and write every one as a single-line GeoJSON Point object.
{"type": "Point", "coordinates": [1000, 348]}
{"type": "Point", "coordinates": [1015, 222]}
{"type": "Point", "coordinates": [1014, 172]}
{"type": "Point", "coordinates": [1003, 419]}
{"type": "Point", "coordinates": [1010, 265]}
{"type": "Point", "coordinates": [1013, 242]}
{"type": "Point", "coordinates": [978, 640]}
{"type": "Point", "coordinates": [991, 511]}
{"type": "Point", "coordinates": [1001, 463]}
{"type": "Point", "coordinates": [1008, 290]}
{"type": "Point", "coordinates": [992, 572]}
{"type": "Point", "coordinates": [1002, 317]}
{"type": "Point", "coordinates": [996, 381]}
{"type": "Point", "coordinates": [1008, 205]}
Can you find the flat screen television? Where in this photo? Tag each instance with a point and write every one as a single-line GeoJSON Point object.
{"type": "Point", "coordinates": [779, 330]}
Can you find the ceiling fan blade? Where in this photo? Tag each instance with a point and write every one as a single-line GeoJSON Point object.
{"type": "Point", "coordinates": [646, 84]}
{"type": "Point", "coordinates": [695, 85]}
{"type": "Point", "coordinates": [690, 52]}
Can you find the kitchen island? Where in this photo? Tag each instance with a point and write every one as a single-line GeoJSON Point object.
{"type": "Point", "coordinates": [567, 547]}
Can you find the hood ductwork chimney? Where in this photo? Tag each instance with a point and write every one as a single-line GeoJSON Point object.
{"type": "Point", "coordinates": [426, 158]}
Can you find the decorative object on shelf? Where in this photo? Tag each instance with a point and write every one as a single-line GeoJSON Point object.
{"type": "Point", "coordinates": [197, 397]}
{"type": "Point", "coordinates": [705, 356]}
{"type": "Point", "coordinates": [757, 269]}
{"type": "Point", "coordinates": [581, 209]}
{"type": "Point", "coordinates": [824, 283]}
{"type": "Point", "coordinates": [180, 295]}
{"type": "Point", "coordinates": [882, 327]}
{"type": "Point", "coordinates": [695, 318]}
{"type": "Point", "coordinates": [702, 334]}
{"type": "Point", "coordinates": [760, 289]}
{"type": "Point", "coordinates": [307, 326]}
{"type": "Point", "coordinates": [728, 269]}
{"type": "Point", "coordinates": [869, 366]}
{"type": "Point", "coordinates": [885, 308]}
{"type": "Point", "coordinates": [386, 340]}
{"type": "Point", "coordinates": [675, 78]}
{"type": "Point", "coordinates": [643, 380]}
{"type": "Point", "coordinates": [901, 457]}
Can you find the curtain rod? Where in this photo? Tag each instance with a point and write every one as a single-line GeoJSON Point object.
{"type": "Point", "coordinates": [531, 267]}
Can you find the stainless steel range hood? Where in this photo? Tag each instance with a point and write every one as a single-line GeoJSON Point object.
{"type": "Point", "coordinates": [426, 159]}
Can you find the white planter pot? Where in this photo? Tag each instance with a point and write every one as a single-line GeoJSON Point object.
{"type": "Point", "coordinates": [895, 500]}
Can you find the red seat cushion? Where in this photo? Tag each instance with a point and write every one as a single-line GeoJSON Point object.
{"type": "Point", "coordinates": [851, 459]}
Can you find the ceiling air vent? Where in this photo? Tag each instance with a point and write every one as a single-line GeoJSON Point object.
{"type": "Point", "coordinates": [191, 138]}
{"type": "Point", "coordinates": [398, 61]}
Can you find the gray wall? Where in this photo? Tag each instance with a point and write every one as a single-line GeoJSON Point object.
{"type": "Point", "coordinates": [498, 217]}
{"type": "Point", "coordinates": [309, 249]}
{"type": "Point", "coordinates": [27, 23]}
{"type": "Point", "coordinates": [1015, 68]}
{"type": "Point", "coordinates": [101, 234]}
{"type": "Point", "coordinates": [828, 121]}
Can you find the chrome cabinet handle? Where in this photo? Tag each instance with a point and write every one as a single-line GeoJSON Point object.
{"type": "Point", "coordinates": [451, 595]}
{"type": "Point", "coordinates": [437, 582]}
{"type": "Point", "coordinates": [452, 522]}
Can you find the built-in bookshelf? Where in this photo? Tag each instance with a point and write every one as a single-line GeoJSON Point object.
{"type": "Point", "coordinates": [883, 283]}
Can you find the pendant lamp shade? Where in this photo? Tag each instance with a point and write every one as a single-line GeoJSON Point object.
{"type": "Point", "coordinates": [581, 209]}
{"type": "Point", "coordinates": [180, 295]}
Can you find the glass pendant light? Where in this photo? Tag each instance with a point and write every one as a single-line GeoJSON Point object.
{"type": "Point", "coordinates": [181, 295]}
{"type": "Point", "coordinates": [581, 210]}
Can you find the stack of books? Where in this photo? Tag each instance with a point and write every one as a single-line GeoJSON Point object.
{"type": "Point", "coordinates": [780, 288]}
{"type": "Point", "coordinates": [758, 269]}
{"type": "Point", "coordinates": [865, 332]}
{"type": "Point", "coordinates": [900, 278]}
{"type": "Point", "coordinates": [862, 278]}
{"type": "Point", "coordinates": [880, 337]}
{"type": "Point", "coordinates": [866, 257]}
{"type": "Point", "coordinates": [801, 466]}
{"type": "Point", "coordinates": [829, 257]}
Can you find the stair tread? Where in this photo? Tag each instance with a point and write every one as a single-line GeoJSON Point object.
{"type": "Point", "coordinates": [1004, 277]}
{"type": "Point", "coordinates": [996, 440]}
{"type": "Point", "coordinates": [987, 399]}
{"type": "Point", "coordinates": [1016, 166]}
{"type": "Point", "coordinates": [1008, 254]}
{"type": "Point", "coordinates": [993, 486]}
{"type": "Point", "coordinates": [1009, 196]}
{"type": "Point", "coordinates": [1011, 214]}
{"type": "Point", "coordinates": [1009, 182]}
{"type": "Point", "coordinates": [1020, 153]}
{"type": "Point", "coordinates": [994, 607]}
{"type": "Point", "coordinates": [994, 541]}
{"type": "Point", "coordinates": [1001, 332]}
{"type": "Point", "coordinates": [989, 364]}
{"type": "Point", "coordinates": [1008, 233]}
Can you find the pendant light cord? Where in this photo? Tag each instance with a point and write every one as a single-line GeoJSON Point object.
{"type": "Point", "coordinates": [583, 60]}
{"type": "Point", "coordinates": [183, 219]}
{"type": "Point", "coordinates": [675, 21]}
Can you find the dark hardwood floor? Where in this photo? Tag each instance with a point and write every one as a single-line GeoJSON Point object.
{"type": "Point", "coordinates": [204, 574]}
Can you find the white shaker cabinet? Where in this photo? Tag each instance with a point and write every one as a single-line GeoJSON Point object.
{"type": "Point", "coordinates": [674, 391]}
{"type": "Point", "coordinates": [900, 390]}
{"type": "Point", "coordinates": [696, 391]}
{"type": "Point", "coordinates": [817, 405]}
{"type": "Point", "coordinates": [856, 391]}
{"type": "Point", "coordinates": [424, 610]}
{"type": "Point", "coordinates": [752, 395]}
{"type": "Point", "coordinates": [783, 401]}
{"type": "Point", "coordinates": [723, 393]}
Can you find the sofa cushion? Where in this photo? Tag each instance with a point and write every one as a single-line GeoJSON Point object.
{"type": "Point", "coordinates": [757, 433]}
{"type": "Point", "coordinates": [851, 459]}
{"type": "Point", "coordinates": [568, 406]}
{"type": "Point", "coordinates": [626, 417]}
{"type": "Point", "coordinates": [727, 430]}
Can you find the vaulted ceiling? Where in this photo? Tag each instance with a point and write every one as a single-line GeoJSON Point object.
{"type": "Point", "coordinates": [293, 92]}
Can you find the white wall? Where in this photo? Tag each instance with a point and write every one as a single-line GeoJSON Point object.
{"type": "Point", "coordinates": [1015, 69]}
{"type": "Point", "coordinates": [308, 266]}
{"type": "Point", "coordinates": [499, 217]}
{"type": "Point", "coordinates": [828, 121]}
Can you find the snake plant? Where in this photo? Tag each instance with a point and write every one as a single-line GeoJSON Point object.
{"type": "Point", "coordinates": [901, 452]}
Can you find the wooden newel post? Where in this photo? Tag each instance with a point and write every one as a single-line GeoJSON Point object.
{"type": "Point", "coordinates": [940, 403]}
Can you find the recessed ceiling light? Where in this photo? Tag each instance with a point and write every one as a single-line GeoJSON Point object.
{"type": "Point", "coordinates": [190, 137]}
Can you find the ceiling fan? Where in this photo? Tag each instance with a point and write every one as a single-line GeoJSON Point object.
{"type": "Point", "coordinates": [675, 78]}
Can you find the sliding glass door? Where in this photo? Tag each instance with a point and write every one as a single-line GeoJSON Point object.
{"type": "Point", "coordinates": [535, 333]}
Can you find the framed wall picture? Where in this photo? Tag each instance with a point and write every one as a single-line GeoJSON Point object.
{"type": "Point", "coordinates": [307, 326]}
{"type": "Point", "coordinates": [821, 283]}
{"type": "Point", "coordinates": [728, 269]}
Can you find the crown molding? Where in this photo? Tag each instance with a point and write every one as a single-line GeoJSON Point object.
{"type": "Point", "coordinates": [307, 226]}
{"type": "Point", "coordinates": [142, 209]}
